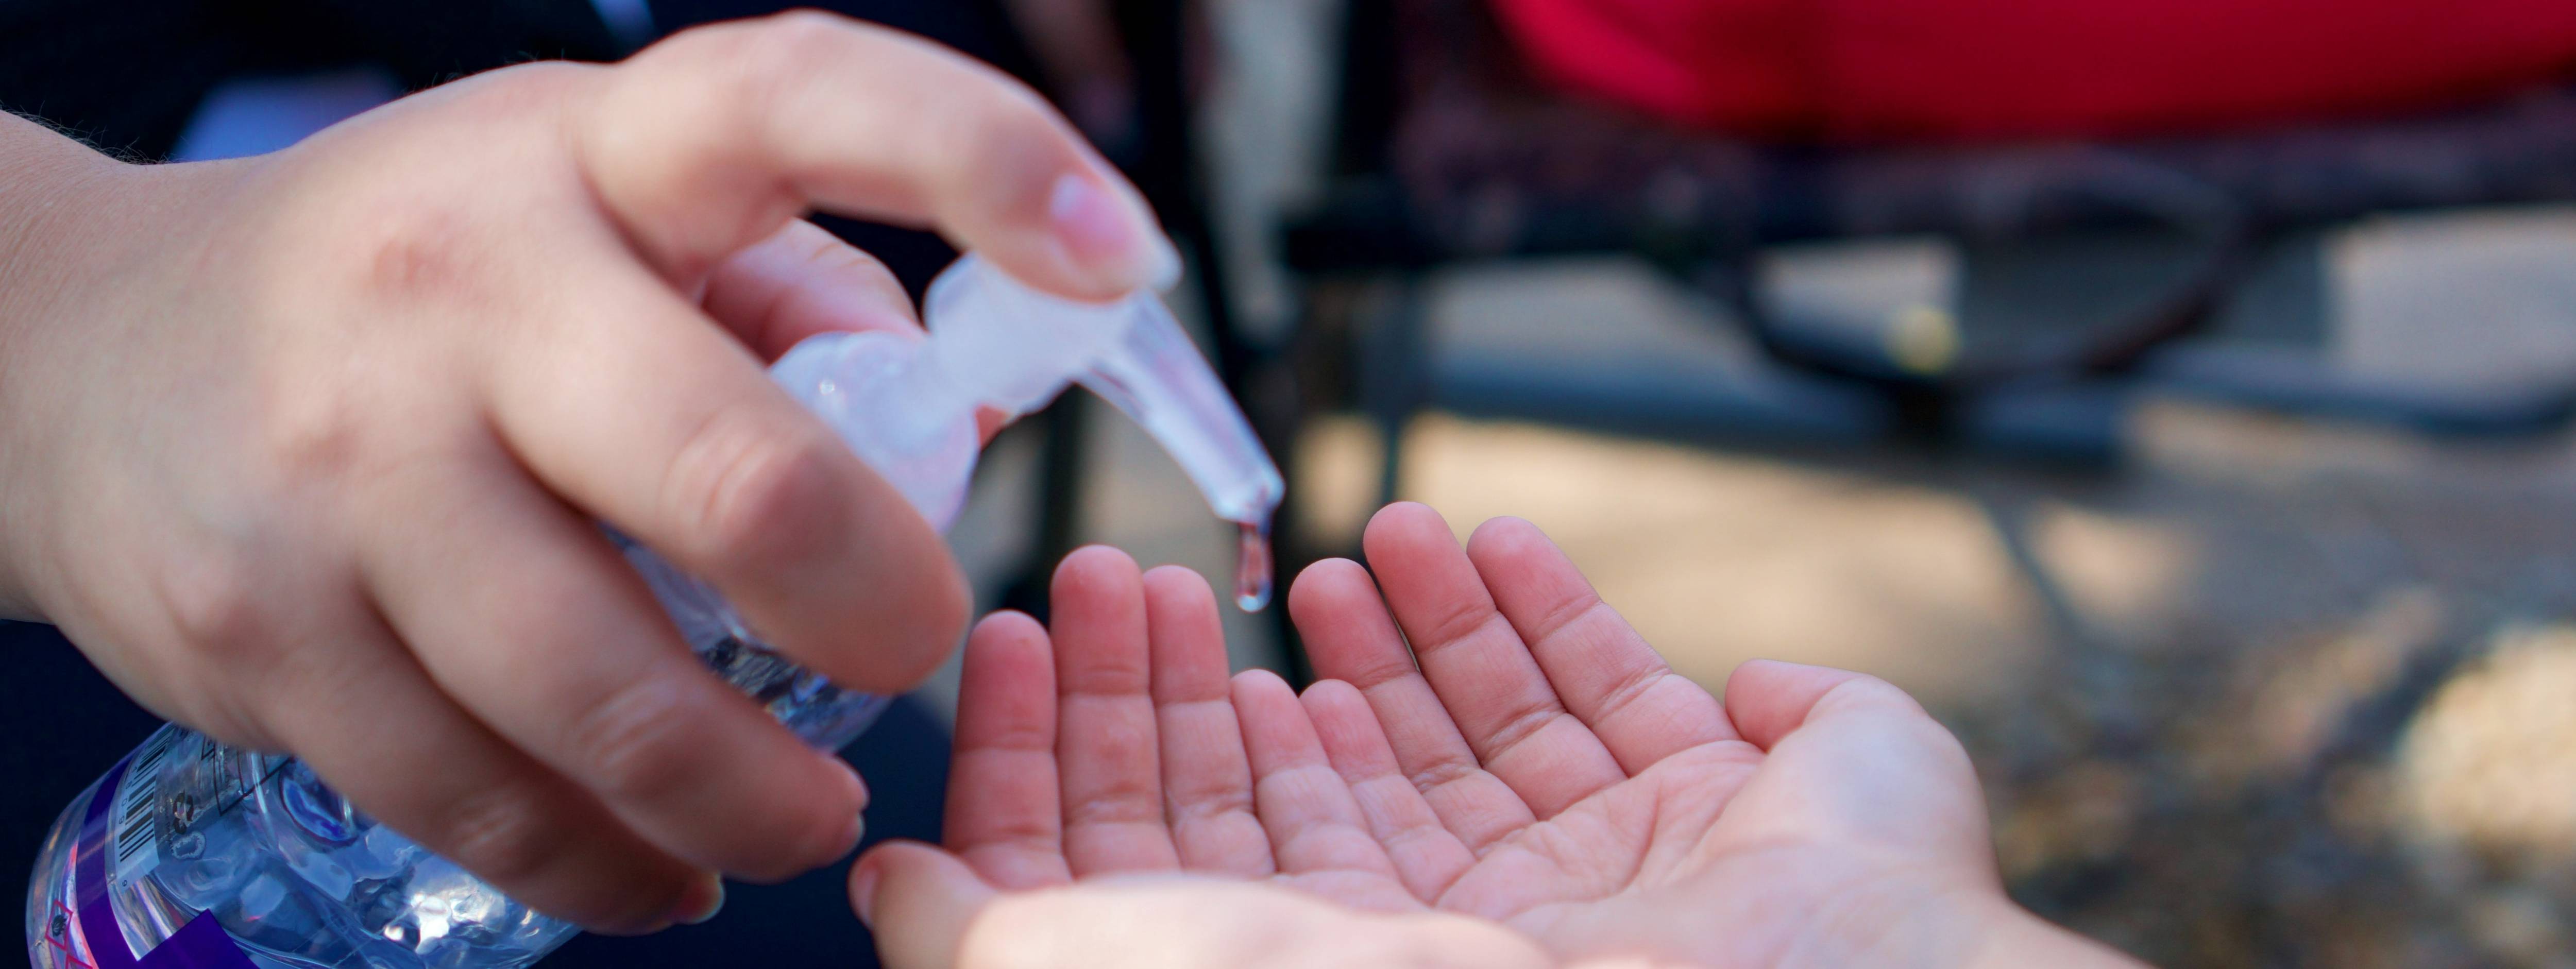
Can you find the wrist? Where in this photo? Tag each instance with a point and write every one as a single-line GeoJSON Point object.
{"type": "Point", "coordinates": [49, 189]}
{"type": "Point", "coordinates": [2012, 936]}
{"type": "Point", "coordinates": [1939, 924]}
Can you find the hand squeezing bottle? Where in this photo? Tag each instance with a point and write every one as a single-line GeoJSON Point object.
{"type": "Point", "coordinates": [190, 853]}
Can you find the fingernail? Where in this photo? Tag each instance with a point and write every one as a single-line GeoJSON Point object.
{"type": "Point", "coordinates": [863, 895]}
{"type": "Point", "coordinates": [703, 901]}
{"type": "Point", "coordinates": [1102, 233]}
{"type": "Point", "coordinates": [850, 839]}
{"type": "Point", "coordinates": [858, 787]}
{"type": "Point", "coordinates": [858, 799]}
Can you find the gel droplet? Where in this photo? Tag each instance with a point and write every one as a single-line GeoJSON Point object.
{"type": "Point", "coordinates": [1252, 568]}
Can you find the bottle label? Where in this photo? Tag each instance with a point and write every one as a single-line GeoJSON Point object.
{"type": "Point", "coordinates": [201, 943]}
{"type": "Point", "coordinates": [178, 781]}
{"type": "Point", "coordinates": [135, 814]}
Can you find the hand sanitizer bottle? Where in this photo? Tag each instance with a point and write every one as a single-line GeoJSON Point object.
{"type": "Point", "coordinates": [190, 854]}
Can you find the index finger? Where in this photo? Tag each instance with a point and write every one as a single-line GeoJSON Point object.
{"type": "Point", "coordinates": [629, 403]}
{"type": "Point", "coordinates": [709, 141]}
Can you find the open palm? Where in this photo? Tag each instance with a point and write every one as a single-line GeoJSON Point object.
{"type": "Point", "coordinates": [1527, 759]}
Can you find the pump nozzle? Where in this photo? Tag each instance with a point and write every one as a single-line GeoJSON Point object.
{"type": "Point", "coordinates": [995, 342]}
{"type": "Point", "coordinates": [1018, 347]}
{"type": "Point", "coordinates": [1157, 378]}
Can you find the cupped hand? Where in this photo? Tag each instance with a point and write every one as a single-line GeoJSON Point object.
{"type": "Point", "coordinates": [1493, 741]}
{"type": "Point", "coordinates": [307, 450]}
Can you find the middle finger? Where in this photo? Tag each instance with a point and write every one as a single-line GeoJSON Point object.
{"type": "Point", "coordinates": [1107, 750]}
{"type": "Point", "coordinates": [1207, 783]}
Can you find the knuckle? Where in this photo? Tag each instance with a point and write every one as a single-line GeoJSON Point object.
{"type": "Point", "coordinates": [418, 247]}
{"type": "Point", "coordinates": [1026, 734]}
{"type": "Point", "coordinates": [1210, 799]}
{"type": "Point", "coordinates": [1014, 140]}
{"type": "Point", "coordinates": [1456, 623]}
{"type": "Point", "coordinates": [752, 60]}
{"type": "Point", "coordinates": [834, 258]}
{"type": "Point", "coordinates": [308, 433]}
{"type": "Point", "coordinates": [1013, 117]}
{"type": "Point", "coordinates": [636, 742]}
{"type": "Point", "coordinates": [752, 495]}
{"type": "Point", "coordinates": [1561, 616]}
{"type": "Point", "coordinates": [530, 90]}
{"type": "Point", "coordinates": [215, 604]}
{"type": "Point", "coordinates": [1119, 803]}
{"type": "Point", "coordinates": [840, 258]}
{"type": "Point", "coordinates": [1625, 693]}
{"type": "Point", "coordinates": [801, 39]}
{"type": "Point", "coordinates": [1524, 720]}
{"type": "Point", "coordinates": [542, 77]}
{"type": "Point", "coordinates": [1864, 690]}
{"type": "Point", "coordinates": [1380, 668]}
{"type": "Point", "coordinates": [1441, 773]}
{"type": "Point", "coordinates": [431, 240]}
{"type": "Point", "coordinates": [1122, 674]}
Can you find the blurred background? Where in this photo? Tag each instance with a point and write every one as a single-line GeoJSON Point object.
{"type": "Point", "coordinates": [2172, 394]}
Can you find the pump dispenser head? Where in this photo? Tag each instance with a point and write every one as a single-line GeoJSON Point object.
{"type": "Point", "coordinates": [908, 406]}
{"type": "Point", "coordinates": [1132, 353]}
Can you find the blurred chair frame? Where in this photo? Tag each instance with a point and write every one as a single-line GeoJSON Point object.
{"type": "Point", "coordinates": [1447, 153]}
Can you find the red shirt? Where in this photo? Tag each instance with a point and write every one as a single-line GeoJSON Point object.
{"type": "Point", "coordinates": [1858, 70]}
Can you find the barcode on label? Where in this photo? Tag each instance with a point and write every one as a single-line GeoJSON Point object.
{"type": "Point", "coordinates": [138, 800]}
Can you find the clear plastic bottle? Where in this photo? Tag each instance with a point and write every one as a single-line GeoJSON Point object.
{"type": "Point", "coordinates": [190, 854]}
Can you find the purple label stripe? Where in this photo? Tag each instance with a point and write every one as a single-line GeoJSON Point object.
{"type": "Point", "coordinates": [200, 944]}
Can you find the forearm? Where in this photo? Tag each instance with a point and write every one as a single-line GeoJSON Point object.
{"type": "Point", "coordinates": [46, 182]}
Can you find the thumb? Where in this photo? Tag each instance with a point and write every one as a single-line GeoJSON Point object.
{"type": "Point", "coordinates": [919, 901]}
{"type": "Point", "coordinates": [1768, 699]}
